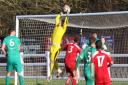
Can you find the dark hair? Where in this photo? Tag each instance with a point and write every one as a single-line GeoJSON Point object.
{"type": "Point", "coordinates": [98, 44]}
{"type": "Point", "coordinates": [11, 30]}
{"type": "Point", "coordinates": [76, 39]}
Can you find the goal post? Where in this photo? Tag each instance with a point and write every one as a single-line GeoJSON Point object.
{"type": "Point", "coordinates": [35, 31]}
{"type": "Point", "coordinates": [17, 34]}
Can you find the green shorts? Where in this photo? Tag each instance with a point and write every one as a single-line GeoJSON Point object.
{"type": "Point", "coordinates": [14, 65]}
{"type": "Point", "coordinates": [87, 72]}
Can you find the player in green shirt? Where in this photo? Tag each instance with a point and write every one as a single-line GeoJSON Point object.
{"type": "Point", "coordinates": [88, 42]}
{"type": "Point", "coordinates": [86, 55]}
{"type": "Point", "coordinates": [104, 45]}
{"type": "Point", "coordinates": [11, 48]}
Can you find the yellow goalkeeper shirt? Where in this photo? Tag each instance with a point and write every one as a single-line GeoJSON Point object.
{"type": "Point", "coordinates": [59, 30]}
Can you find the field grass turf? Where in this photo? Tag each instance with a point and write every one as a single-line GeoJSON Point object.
{"type": "Point", "coordinates": [54, 82]}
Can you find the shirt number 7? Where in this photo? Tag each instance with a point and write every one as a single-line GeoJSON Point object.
{"type": "Point", "coordinates": [100, 60]}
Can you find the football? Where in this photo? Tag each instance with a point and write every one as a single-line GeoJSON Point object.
{"type": "Point", "coordinates": [66, 9]}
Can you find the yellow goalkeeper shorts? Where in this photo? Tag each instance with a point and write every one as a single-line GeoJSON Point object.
{"type": "Point", "coordinates": [53, 50]}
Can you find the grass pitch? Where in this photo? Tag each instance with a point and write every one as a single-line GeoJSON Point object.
{"type": "Point", "coordinates": [53, 82]}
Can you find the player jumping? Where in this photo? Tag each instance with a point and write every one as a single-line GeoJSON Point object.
{"type": "Point", "coordinates": [101, 61]}
{"type": "Point", "coordinates": [10, 48]}
{"type": "Point", "coordinates": [58, 32]}
{"type": "Point", "coordinates": [70, 60]}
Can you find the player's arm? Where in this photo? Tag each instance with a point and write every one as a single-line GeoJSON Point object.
{"type": "Point", "coordinates": [3, 49]}
{"type": "Point", "coordinates": [19, 48]}
{"type": "Point", "coordinates": [19, 44]}
{"type": "Point", "coordinates": [57, 20]}
{"type": "Point", "coordinates": [104, 46]}
{"type": "Point", "coordinates": [92, 67]}
{"type": "Point", "coordinates": [65, 23]}
{"type": "Point", "coordinates": [57, 23]}
{"type": "Point", "coordinates": [109, 60]}
{"type": "Point", "coordinates": [79, 58]}
{"type": "Point", "coordinates": [92, 70]}
{"type": "Point", "coordinates": [65, 47]}
{"type": "Point", "coordinates": [110, 64]}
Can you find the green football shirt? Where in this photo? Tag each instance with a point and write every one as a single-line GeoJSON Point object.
{"type": "Point", "coordinates": [12, 44]}
{"type": "Point", "coordinates": [86, 55]}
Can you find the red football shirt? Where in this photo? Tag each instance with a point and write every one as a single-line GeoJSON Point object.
{"type": "Point", "coordinates": [101, 60]}
{"type": "Point", "coordinates": [71, 52]}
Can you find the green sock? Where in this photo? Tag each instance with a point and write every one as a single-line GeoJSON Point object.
{"type": "Point", "coordinates": [7, 80]}
{"type": "Point", "coordinates": [89, 82]}
{"type": "Point", "coordinates": [21, 80]}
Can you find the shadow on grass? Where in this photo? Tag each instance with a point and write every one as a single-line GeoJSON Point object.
{"type": "Point", "coordinates": [39, 84]}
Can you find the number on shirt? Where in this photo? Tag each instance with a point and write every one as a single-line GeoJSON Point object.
{"type": "Point", "coordinates": [100, 60]}
{"type": "Point", "coordinates": [11, 43]}
{"type": "Point", "coordinates": [89, 57]}
{"type": "Point", "coordinates": [70, 49]}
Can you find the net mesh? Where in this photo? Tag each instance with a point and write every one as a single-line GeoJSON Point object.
{"type": "Point", "coordinates": [92, 20]}
{"type": "Point", "coordinates": [35, 32]}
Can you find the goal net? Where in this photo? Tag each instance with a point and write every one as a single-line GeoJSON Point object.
{"type": "Point", "coordinates": [35, 31]}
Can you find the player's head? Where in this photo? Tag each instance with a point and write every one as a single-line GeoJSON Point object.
{"type": "Point", "coordinates": [94, 35]}
{"type": "Point", "coordinates": [66, 8]}
{"type": "Point", "coordinates": [92, 39]}
{"type": "Point", "coordinates": [98, 44]}
{"type": "Point", "coordinates": [103, 40]}
{"type": "Point", "coordinates": [71, 39]}
{"type": "Point", "coordinates": [12, 31]}
{"type": "Point", "coordinates": [76, 39]}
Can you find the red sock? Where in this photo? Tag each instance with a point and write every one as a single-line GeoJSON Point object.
{"type": "Point", "coordinates": [73, 81]}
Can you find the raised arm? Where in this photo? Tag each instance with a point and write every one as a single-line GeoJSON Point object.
{"type": "Point", "coordinates": [57, 20]}
{"type": "Point", "coordinates": [65, 23]}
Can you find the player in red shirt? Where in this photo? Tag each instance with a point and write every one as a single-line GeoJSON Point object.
{"type": "Point", "coordinates": [70, 59]}
{"type": "Point", "coordinates": [101, 61]}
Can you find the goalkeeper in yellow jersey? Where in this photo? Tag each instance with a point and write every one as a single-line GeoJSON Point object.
{"type": "Point", "coordinates": [58, 32]}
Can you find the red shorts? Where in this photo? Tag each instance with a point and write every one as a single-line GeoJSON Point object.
{"type": "Point", "coordinates": [70, 68]}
